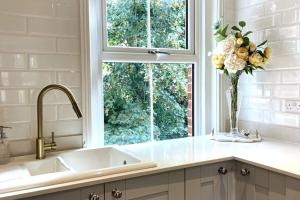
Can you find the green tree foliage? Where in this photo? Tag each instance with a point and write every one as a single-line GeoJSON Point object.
{"type": "Point", "coordinates": [127, 85]}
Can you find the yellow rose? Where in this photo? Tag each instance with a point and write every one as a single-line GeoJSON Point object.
{"type": "Point", "coordinates": [218, 60]}
{"type": "Point", "coordinates": [239, 41]}
{"type": "Point", "coordinates": [242, 53]}
{"type": "Point", "coordinates": [256, 59]}
{"type": "Point", "coordinates": [268, 52]}
{"type": "Point", "coordinates": [252, 47]}
{"type": "Point", "coordinates": [239, 35]}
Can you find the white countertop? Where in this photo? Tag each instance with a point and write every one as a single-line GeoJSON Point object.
{"type": "Point", "coordinates": [176, 154]}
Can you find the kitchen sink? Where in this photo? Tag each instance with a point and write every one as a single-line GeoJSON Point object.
{"type": "Point", "coordinates": [50, 165]}
{"type": "Point", "coordinates": [97, 159]}
{"type": "Point", "coordinates": [68, 166]}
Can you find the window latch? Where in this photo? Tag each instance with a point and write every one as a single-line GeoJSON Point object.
{"type": "Point", "coordinates": [158, 52]}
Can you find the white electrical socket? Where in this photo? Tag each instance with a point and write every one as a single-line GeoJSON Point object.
{"type": "Point", "coordinates": [292, 106]}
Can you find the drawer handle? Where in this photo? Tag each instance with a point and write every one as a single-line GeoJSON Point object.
{"type": "Point", "coordinates": [222, 170]}
{"type": "Point", "coordinates": [94, 196]}
{"type": "Point", "coordinates": [245, 172]}
{"type": "Point", "coordinates": [116, 193]}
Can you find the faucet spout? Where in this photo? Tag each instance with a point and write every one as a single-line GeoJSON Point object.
{"type": "Point", "coordinates": [41, 146]}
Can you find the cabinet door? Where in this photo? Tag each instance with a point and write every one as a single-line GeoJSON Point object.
{"type": "Point", "coordinates": [253, 185]}
{"type": "Point", "coordinates": [166, 186]}
{"type": "Point", "coordinates": [206, 183]}
{"type": "Point", "coordinates": [65, 195]}
{"type": "Point", "coordinates": [93, 193]}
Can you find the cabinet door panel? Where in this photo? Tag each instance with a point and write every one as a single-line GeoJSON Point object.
{"type": "Point", "coordinates": [205, 183]}
{"type": "Point", "coordinates": [292, 189]}
{"type": "Point", "coordinates": [168, 186]}
{"type": "Point", "coordinates": [146, 185]}
{"type": "Point", "coordinates": [277, 184]}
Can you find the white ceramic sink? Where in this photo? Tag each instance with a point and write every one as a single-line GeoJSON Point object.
{"type": "Point", "coordinates": [97, 159]}
{"type": "Point", "coordinates": [50, 165]}
{"type": "Point", "coordinates": [69, 166]}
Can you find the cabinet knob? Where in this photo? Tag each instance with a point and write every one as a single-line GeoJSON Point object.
{"type": "Point", "coordinates": [222, 170]}
{"type": "Point", "coordinates": [94, 196]}
{"type": "Point", "coordinates": [245, 172]}
{"type": "Point", "coordinates": [116, 193]}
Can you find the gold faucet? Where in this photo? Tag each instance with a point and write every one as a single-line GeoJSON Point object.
{"type": "Point", "coordinates": [41, 145]}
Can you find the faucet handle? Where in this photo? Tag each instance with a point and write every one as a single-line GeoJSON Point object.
{"type": "Point", "coordinates": [52, 137]}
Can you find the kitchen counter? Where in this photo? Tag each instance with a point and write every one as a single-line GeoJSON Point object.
{"type": "Point", "coordinates": [183, 153]}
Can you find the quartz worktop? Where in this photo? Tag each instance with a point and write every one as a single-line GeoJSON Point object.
{"type": "Point", "coordinates": [183, 153]}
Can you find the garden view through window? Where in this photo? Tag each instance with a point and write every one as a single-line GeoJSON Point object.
{"type": "Point", "coordinates": [144, 101]}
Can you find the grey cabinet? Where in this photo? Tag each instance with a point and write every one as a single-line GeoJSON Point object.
{"type": "Point", "coordinates": [209, 183]}
{"type": "Point", "coordinates": [239, 181]}
{"type": "Point", "coordinates": [261, 184]}
{"type": "Point", "coordinates": [165, 186]}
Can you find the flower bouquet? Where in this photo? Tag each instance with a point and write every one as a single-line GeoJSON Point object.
{"type": "Point", "coordinates": [234, 55]}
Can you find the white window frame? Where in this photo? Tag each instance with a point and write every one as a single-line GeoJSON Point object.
{"type": "Point", "coordinates": [94, 53]}
{"type": "Point", "coordinates": [129, 50]}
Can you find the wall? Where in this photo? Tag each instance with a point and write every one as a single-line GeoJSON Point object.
{"type": "Point", "coordinates": [272, 97]}
{"type": "Point", "coordinates": [39, 45]}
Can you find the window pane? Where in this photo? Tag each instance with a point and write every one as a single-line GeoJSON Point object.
{"type": "Point", "coordinates": [145, 101]}
{"type": "Point", "coordinates": [168, 24]}
{"type": "Point", "coordinates": [126, 103]}
{"type": "Point", "coordinates": [127, 23]}
{"type": "Point", "coordinates": [171, 98]}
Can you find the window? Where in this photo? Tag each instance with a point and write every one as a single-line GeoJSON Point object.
{"type": "Point", "coordinates": [140, 25]}
{"type": "Point", "coordinates": [144, 102]}
{"type": "Point", "coordinates": [148, 63]}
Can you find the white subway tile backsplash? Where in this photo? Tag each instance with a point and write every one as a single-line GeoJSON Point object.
{"type": "Point", "coordinates": [26, 79]}
{"type": "Point", "coordinates": [54, 27]}
{"type": "Point", "coordinates": [285, 91]}
{"type": "Point", "coordinates": [12, 23]}
{"type": "Point", "coordinates": [28, 7]}
{"type": "Point", "coordinates": [13, 61]}
{"type": "Point", "coordinates": [63, 127]}
{"type": "Point", "coordinates": [70, 79]}
{"type": "Point", "coordinates": [19, 131]}
{"type": "Point", "coordinates": [15, 96]}
{"type": "Point", "coordinates": [67, 9]}
{"type": "Point", "coordinates": [66, 112]}
{"type": "Point", "coordinates": [16, 114]}
{"type": "Point", "coordinates": [285, 119]}
{"type": "Point", "coordinates": [290, 16]}
{"type": "Point", "coordinates": [68, 45]}
{"type": "Point", "coordinates": [17, 43]}
{"type": "Point", "coordinates": [291, 76]}
{"type": "Point", "coordinates": [251, 90]}
{"type": "Point", "coordinates": [39, 45]}
{"type": "Point", "coordinates": [57, 62]}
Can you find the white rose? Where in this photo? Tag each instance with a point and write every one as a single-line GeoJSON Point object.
{"type": "Point", "coordinates": [227, 46]}
{"type": "Point", "coordinates": [233, 63]}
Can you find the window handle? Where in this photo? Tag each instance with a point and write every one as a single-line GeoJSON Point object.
{"type": "Point", "coordinates": [158, 52]}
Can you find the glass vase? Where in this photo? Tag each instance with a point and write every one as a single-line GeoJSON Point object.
{"type": "Point", "coordinates": [234, 101]}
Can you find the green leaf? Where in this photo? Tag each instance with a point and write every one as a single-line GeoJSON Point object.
{"type": "Point", "coordinates": [246, 41]}
{"type": "Point", "coordinates": [249, 32]}
{"type": "Point", "coordinates": [262, 44]}
{"type": "Point", "coordinates": [226, 72]}
{"type": "Point", "coordinates": [235, 28]}
{"type": "Point", "coordinates": [242, 24]}
{"type": "Point", "coordinates": [225, 30]}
